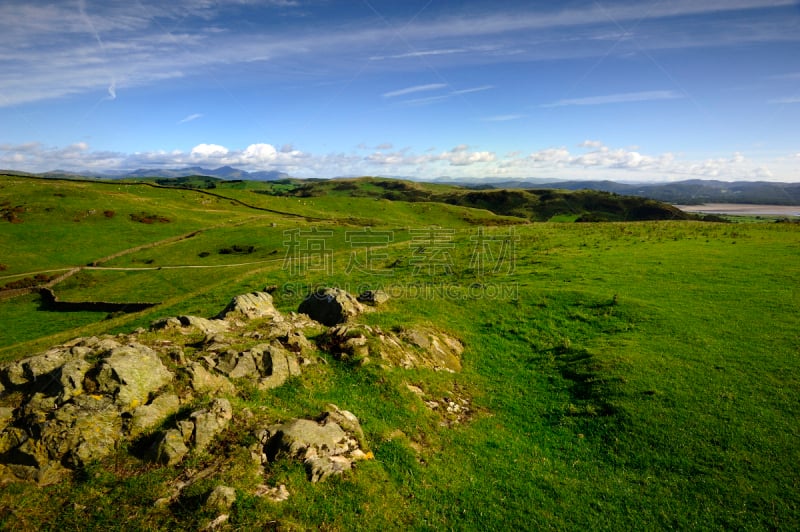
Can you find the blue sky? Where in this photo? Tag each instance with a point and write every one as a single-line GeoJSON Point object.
{"type": "Point", "coordinates": [650, 90]}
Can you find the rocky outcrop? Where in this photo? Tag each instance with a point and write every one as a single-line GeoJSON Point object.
{"type": "Point", "coordinates": [76, 400]}
{"type": "Point", "coordinates": [196, 431]}
{"type": "Point", "coordinates": [330, 306]}
{"type": "Point", "coordinates": [327, 446]}
{"type": "Point", "coordinates": [408, 348]}
{"type": "Point", "coordinates": [166, 392]}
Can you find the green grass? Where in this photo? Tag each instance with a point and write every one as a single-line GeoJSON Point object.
{"type": "Point", "coordinates": [630, 376]}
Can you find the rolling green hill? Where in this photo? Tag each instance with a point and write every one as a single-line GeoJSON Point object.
{"type": "Point", "coordinates": [529, 204]}
{"type": "Point", "coordinates": [629, 375]}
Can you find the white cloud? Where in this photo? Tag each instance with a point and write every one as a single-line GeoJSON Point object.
{"type": "Point", "coordinates": [590, 144]}
{"type": "Point", "coordinates": [461, 156]}
{"type": "Point", "coordinates": [414, 89]}
{"type": "Point", "coordinates": [260, 154]}
{"type": "Point", "coordinates": [206, 151]}
{"type": "Point", "coordinates": [190, 118]}
{"type": "Point", "coordinates": [472, 89]}
{"type": "Point", "coordinates": [551, 155]}
{"type": "Point", "coordinates": [625, 97]}
{"type": "Point", "coordinates": [112, 89]}
{"type": "Point", "coordinates": [423, 53]}
{"type": "Point", "coordinates": [602, 162]}
{"type": "Point", "coordinates": [786, 100]}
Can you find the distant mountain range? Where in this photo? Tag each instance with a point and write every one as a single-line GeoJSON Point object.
{"type": "Point", "coordinates": [223, 172]}
{"type": "Point", "coordinates": [690, 192]}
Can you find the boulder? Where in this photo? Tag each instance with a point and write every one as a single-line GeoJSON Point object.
{"type": "Point", "coordinates": [84, 430]}
{"type": "Point", "coordinates": [345, 419]}
{"type": "Point", "coordinates": [210, 422]}
{"type": "Point", "coordinates": [148, 416]}
{"type": "Point", "coordinates": [238, 365]}
{"type": "Point", "coordinates": [169, 448]}
{"type": "Point", "coordinates": [297, 342]}
{"type": "Point", "coordinates": [42, 365]}
{"type": "Point", "coordinates": [131, 373]}
{"type": "Point", "coordinates": [330, 306]}
{"type": "Point", "coordinates": [203, 381]}
{"type": "Point", "coordinates": [204, 325]}
{"type": "Point", "coordinates": [275, 365]}
{"type": "Point", "coordinates": [165, 323]}
{"type": "Point", "coordinates": [278, 494]}
{"type": "Point", "coordinates": [325, 447]}
{"type": "Point", "coordinates": [373, 297]}
{"type": "Point", "coordinates": [221, 498]}
{"type": "Point", "coordinates": [251, 306]}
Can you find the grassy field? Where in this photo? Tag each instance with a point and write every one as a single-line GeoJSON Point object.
{"type": "Point", "coordinates": [636, 375]}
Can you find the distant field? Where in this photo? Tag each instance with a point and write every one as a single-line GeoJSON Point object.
{"type": "Point", "coordinates": [624, 376]}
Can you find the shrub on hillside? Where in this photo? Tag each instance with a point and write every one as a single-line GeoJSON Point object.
{"type": "Point", "coordinates": [29, 282]}
{"type": "Point", "coordinates": [144, 218]}
{"type": "Point", "coordinates": [237, 250]}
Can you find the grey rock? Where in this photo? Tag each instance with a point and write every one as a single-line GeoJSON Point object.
{"type": "Point", "coordinates": [221, 498]}
{"type": "Point", "coordinates": [373, 297]}
{"type": "Point", "coordinates": [186, 428]}
{"type": "Point", "coordinates": [71, 379]}
{"type": "Point", "coordinates": [177, 356]}
{"type": "Point", "coordinates": [330, 306]}
{"type": "Point", "coordinates": [131, 374]}
{"type": "Point", "coordinates": [104, 346]}
{"type": "Point", "coordinates": [203, 381]}
{"type": "Point", "coordinates": [165, 323]}
{"type": "Point", "coordinates": [278, 494]}
{"type": "Point", "coordinates": [216, 523]}
{"type": "Point", "coordinates": [148, 416]}
{"type": "Point", "coordinates": [80, 351]}
{"type": "Point", "coordinates": [169, 448]}
{"type": "Point", "coordinates": [275, 364]}
{"type": "Point", "coordinates": [322, 467]}
{"type": "Point", "coordinates": [302, 438]}
{"type": "Point", "coordinates": [6, 415]}
{"type": "Point", "coordinates": [11, 438]}
{"type": "Point", "coordinates": [210, 422]}
{"type": "Point", "coordinates": [325, 447]}
{"type": "Point", "coordinates": [251, 306]}
{"type": "Point", "coordinates": [296, 342]}
{"type": "Point", "coordinates": [39, 366]}
{"type": "Point", "coordinates": [245, 367]}
{"type": "Point", "coordinates": [442, 351]}
{"type": "Point", "coordinates": [13, 374]}
{"type": "Point", "coordinates": [345, 419]}
{"type": "Point", "coordinates": [411, 348]}
{"type": "Point", "coordinates": [206, 326]}
{"type": "Point", "coordinates": [84, 430]}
